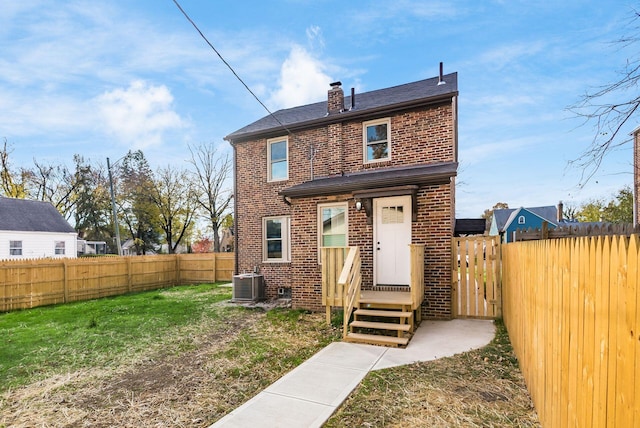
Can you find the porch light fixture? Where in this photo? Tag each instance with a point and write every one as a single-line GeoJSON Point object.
{"type": "Point", "coordinates": [358, 205]}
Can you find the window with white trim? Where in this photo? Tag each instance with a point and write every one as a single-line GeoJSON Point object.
{"type": "Point", "coordinates": [521, 220]}
{"type": "Point", "coordinates": [15, 248]}
{"type": "Point", "coordinates": [59, 249]}
{"type": "Point", "coordinates": [275, 239]}
{"type": "Point", "coordinates": [332, 225]}
{"type": "Point", "coordinates": [377, 140]}
{"type": "Point", "coordinates": [278, 159]}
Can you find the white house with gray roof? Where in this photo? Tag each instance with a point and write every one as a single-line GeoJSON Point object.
{"type": "Point", "coordinates": [34, 229]}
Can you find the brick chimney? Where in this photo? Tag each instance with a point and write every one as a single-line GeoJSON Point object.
{"type": "Point", "coordinates": [560, 209]}
{"type": "Point", "coordinates": [335, 101]}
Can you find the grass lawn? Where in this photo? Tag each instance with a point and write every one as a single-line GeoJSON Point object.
{"type": "Point", "coordinates": [184, 356]}
{"type": "Point", "coordinates": [175, 357]}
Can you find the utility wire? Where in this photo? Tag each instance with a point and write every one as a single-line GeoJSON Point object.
{"type": "Point", "coordinates": [229, 66]}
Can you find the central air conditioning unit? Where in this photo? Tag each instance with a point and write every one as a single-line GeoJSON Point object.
{"type": "Point", "coordinates": [248, 287]}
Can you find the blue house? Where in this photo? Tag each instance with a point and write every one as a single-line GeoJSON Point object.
{"type": "Point", "coordinates": [505, 222]}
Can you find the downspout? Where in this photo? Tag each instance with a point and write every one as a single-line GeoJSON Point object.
{"type": "Point", "coordinates": [235, 210]}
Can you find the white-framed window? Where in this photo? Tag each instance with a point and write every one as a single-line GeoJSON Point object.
{"type": "Point", "coordinates": [278, 159]}
{"type": "Point", "coordinates": [59, 249]}
{"type": "Point", "coordinates": [377, 140]}
{"type": "Point", "coordinates": [333, 225]}
{"type": "Point", "coordinates": [521, 220]}
{"type": "Point", "coordinates": [275, 239]}
{"type": "Point", "coordinates": [15, 248]}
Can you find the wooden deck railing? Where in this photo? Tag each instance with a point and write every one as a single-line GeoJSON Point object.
{"type": "Point", "coordinates": [332, 263]}
{"type": "Point", "coordinates": [350, 280]}
{"type": "Point", "coordinates": [417, 276]}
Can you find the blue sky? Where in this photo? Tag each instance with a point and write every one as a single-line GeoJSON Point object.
{"type": "Point", "coordinates": [99, 78]}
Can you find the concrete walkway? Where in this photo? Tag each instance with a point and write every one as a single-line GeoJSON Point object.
{"type": "Point", "coordinates": [309, 394]}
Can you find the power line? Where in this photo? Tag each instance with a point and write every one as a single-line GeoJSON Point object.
{"type": "Point", "coordinates": [229, 66]}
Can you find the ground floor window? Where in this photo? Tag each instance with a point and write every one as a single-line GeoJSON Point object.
{"type": "Point", "coordinates": [59, 250]}
{"type": "Point", "coordinates": [15, 248]}
{"type": "Point", "coordinates": [276, 236]}
{"type": "Point", "coordinates": [332, 225]}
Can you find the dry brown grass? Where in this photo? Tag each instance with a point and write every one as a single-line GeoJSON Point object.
{"type": "Point", "coordinates": [233, 355]}
{"type": "Point", "coordinates": [234, 358]}
{"type": "Point", "coordinates": [482, 388]}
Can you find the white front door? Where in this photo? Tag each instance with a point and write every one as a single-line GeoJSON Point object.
{"type": "Point", "coordinates": [392, 236]}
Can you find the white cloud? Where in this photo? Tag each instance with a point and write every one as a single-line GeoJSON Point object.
{"type": "Point", "coordinates": [140, 114]}
{"type": "Point", "coordinates": [302, 80]}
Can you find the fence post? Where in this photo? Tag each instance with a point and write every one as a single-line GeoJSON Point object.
{"type": "Point", "coordinates": [65, 281]}
{"type": "Point", "coordinates": [215, 258]}
{"type": "Point", "coordinates": [129, 275]}
{"type": "Point", "coordinates": [178, 269]}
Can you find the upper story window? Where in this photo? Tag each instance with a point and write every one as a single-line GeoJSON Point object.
{"type": "Point", "coordinates": [59, 250]}
{"type": "Point", "coordinates": [521, 220]}
{"type": "Point", "coordinates": [377, 140]}
{"type": "Point", "coordinates": [278, 159]}
{"type": "Point", "coordinates": [15, 248]}
{"type": "Point", "coordinates": [275, 244]}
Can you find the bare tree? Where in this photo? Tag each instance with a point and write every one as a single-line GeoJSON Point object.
{"type": "Point", "coordinates": [211, 176]}
{"type": "Point", "coordinates": [610, 107]}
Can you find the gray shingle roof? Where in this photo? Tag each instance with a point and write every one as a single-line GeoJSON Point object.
{"type": "Point", "coordinates": [396, 97]}
{"type": "Point", "coordinates": [31, 216]}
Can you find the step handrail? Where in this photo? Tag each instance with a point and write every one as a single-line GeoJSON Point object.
{"type": "Point", "coordinates": [350, 280]}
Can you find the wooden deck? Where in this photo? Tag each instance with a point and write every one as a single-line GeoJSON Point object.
{"type": "Point", "coordinates": [392, 298]}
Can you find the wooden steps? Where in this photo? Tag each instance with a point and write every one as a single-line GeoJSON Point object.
{"type": "Point", "coordinates": [382, 313]}
{"type": "Point", "coordinates": [375, 339]}
{"type": "Point", "coordinates": [382, 319]}
{"type": "Point", "coordinates": [380, 325]}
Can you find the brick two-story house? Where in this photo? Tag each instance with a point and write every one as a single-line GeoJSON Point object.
{"type": "Point", "coordinates": [374, 170]}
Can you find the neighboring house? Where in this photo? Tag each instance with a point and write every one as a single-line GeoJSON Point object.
{"type": "Point", "coordinates": [505, 222]}
{"type": "Point", "coordinates": [129, 249]}
{"type": "Point", "coordinates": [374, 170]}
{"type": "Point", "coordinates": [86, 248]}
{"type": "Point", "coordinates": [226, 239]}
{"type": "Point", "coordinates": [34, 229]}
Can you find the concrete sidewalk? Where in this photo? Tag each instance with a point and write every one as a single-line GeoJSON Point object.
{"type": "Point", "coordinates": [309, 394]}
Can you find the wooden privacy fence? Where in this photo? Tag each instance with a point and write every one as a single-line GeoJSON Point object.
{"type": "Point", "coordinates": [572, 309]}
{"type": "Point", "coordinates": [475, 265]}
{"type": "Point", "coordinates": [30, 283]}
{"type": "Point", "coordinates": [575, 230]}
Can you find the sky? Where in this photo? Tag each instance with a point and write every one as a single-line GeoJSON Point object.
{"type": "Point", "coordinates": [99, 78]}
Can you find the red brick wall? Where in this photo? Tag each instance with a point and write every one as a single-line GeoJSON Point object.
{"type": "Point", "coordinates": [420, 136]}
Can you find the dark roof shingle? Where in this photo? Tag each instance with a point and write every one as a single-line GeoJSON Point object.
{"type": "Point", "coordinates": [31, 216]}
{"type": "Point", "coordinates": [409, 94]}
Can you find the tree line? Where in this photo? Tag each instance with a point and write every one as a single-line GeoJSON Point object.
{"type": "Point", "coordinates": [153, 207]}
{"type": "Point", "coordinates": [618, 209]}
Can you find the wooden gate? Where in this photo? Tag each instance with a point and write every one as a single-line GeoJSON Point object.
{"type": "Point", "coordinates": [475, 265]}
